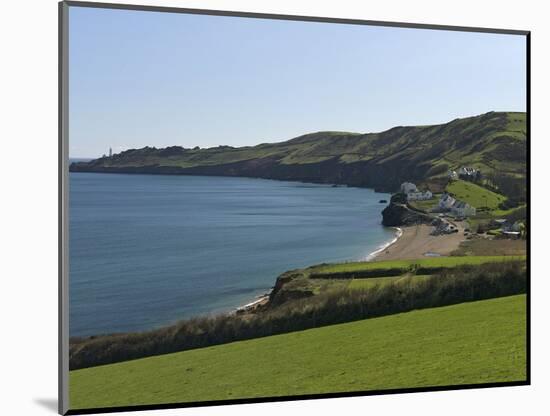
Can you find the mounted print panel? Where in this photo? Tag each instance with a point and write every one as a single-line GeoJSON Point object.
{"type": "Point", "coordinates": [260, 208]}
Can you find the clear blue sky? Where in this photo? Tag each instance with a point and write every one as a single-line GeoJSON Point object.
{"type": "Point", "coordinates": [160, 79]}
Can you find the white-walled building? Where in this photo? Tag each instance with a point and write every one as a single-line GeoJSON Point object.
{"type": "Point", "coordinates": [468, 172]}
{"type": "Point", "coordinates": [452, 175]}
{"type": "Point", "coordinates": [446, 201]}
{"type": "Point", "coordinates": [465, 170]}
{"type": "Point", "coordinates": [462, 209]}
{"type": "Point", "coordinates": [419, 196]}
{"type": "Point", "coordinates": [408, 187]}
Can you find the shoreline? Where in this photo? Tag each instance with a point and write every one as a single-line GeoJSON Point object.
{"type": "Point", "coordinates": [262, 300]}
{"type": "Point", "coordinates": [258, 302]}
{"type": "Point", "coordinates": [409, 242]}
{"type": "Point", "coordinates": [375, 253]}
{"type": "Point", "coordinates": [254, 298]}
{"type": "Point", "coordinates": [417, 242]}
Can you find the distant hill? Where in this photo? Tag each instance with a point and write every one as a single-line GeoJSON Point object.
{"type": "Point", "coordinates": [491, 142]}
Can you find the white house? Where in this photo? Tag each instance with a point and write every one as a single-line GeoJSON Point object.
{"type": "Point", "coordinates": [446, 201]}
{"type": "Point", "coordinates": [452, 175]}
{"type": "Point", "coordinates": [419, 196]}
{"type": "Point", "coordinates": [467, 171]}
{"type": "Point", "coordinates": [408, 187]}
{"type": "Point", "coordinates": [462, 209]}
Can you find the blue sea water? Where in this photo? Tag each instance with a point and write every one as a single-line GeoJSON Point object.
{"type": "Point", "coordinates": [148, 250]}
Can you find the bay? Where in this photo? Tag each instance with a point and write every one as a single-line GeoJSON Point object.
{"type": "Point", "coordinates": [148, 250]}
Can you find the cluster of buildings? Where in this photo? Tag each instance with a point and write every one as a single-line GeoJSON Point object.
{"type": "Point", "coordinates": [413, 194]}
{"type": "Point", "coordinates": [465, 172]}
{"type": "Point", "coordinates": [447, 203]}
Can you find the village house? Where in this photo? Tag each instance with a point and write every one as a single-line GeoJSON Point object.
{"type": "Point", "coordinates": [446, 202]}
{"type": "Point", "coordinates": [413, 193]}
{"type": "Point", "coordinates": [468, 173]}
{"type": "Point", "coordinates": [456, 207]}
{"type": "Point", "coordinates": [408, 187]}
{"type": "Point", "coordinates": [452, 175]}
{"type": "Point", "coordinates": [513, 230]}
{"type": "Point", "coordinates": [464, 170]}
{"type": "Point", "coordinates": [462, 209]}
{"type": "Point", "coordinates": [419, 196]}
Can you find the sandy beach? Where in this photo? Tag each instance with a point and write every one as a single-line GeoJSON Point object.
{"type": "Point", "coordinates": [416, 241]}
{"type": "Point", "coordinates": [411, 242]}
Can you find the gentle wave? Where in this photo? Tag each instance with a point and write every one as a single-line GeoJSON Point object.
{"type": "Point", "coordinates": [398, 234]}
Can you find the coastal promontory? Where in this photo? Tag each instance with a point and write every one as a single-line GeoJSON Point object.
{"type": "Point", "coordinates": [494, 141]}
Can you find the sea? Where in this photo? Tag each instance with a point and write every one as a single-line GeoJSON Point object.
{"type": "Point", "coordinates": [149, 250]}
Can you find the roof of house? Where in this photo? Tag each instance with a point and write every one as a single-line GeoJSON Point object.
{"type": "Point", "coordinates": [461, 204]}
{"type": "Point", "coordinates": [468, 169]}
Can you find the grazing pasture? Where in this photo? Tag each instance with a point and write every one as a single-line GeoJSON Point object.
{"type": "Point", "coordinates": [474, 342]}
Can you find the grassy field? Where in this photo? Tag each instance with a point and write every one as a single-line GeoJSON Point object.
{"type": "Point", "coordinates": [425, 205]}
{"type": "Point", "coordinates": [407, 264]}
{"type": "Point", "coordinates": [475, 195]}
{"type": "Point", "coordinates": [318, 286]}
{"type": "Point", "coordinates": [499, 213]}
{"type": "Point", "coordinates": [474, 342]}
{"type": "Point", "coordinates": [370, 282]}
{"type": "Point", "coordinates": [516, 125]}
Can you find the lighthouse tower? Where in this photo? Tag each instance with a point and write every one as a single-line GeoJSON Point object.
{"type": "Point", "coordinates": [110, 152]}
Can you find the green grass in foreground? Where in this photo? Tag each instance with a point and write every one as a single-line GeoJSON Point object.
{"type": "Point", "coordinates": [405, 264]}
{"type": "Point", "coordinates": [475, 195]}
{"type": "Point", "coordinates": [468, 343]}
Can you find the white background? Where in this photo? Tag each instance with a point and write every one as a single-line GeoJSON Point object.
{"type": "Point", "coordinates": [28, 205]}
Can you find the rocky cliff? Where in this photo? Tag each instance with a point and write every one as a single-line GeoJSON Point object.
{"type": "Point", "coordinates": [399, 213]}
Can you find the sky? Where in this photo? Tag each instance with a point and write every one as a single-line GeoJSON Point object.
{"type": "Point", "coordinates": [160, 79]}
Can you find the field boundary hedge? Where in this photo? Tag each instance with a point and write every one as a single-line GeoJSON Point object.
{"type": "Point", "coordinates": [449, 286]}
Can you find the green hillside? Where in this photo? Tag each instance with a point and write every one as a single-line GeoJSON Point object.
{"type": "Point", "coordinates": [491, 142]}
{"type": "Point", "coordinates": [475, 195]}
{"type": "Point", "coordinates": [462, 344]}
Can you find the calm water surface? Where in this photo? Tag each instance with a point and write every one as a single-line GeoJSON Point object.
{"type": "Point", "coordinates": [148, 250]}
